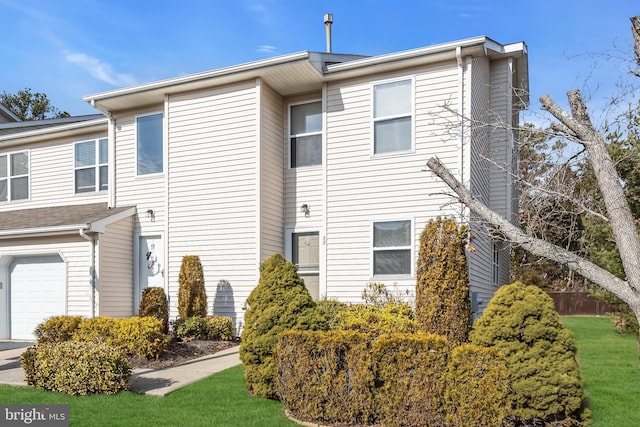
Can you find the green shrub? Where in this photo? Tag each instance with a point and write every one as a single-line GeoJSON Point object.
{"type": "Point", "coordinates": [139, 336]}
{"type": "Point", "coordinates": [219, 328]}
{"type": "Point", "coordinates": [477, 387]}
{"type": "Point", "coordinates": [56, 329]}
{"type": "Point", "coordinates": [325, 376]}
{"type": "Point", "coordinates": [77, 368]}
{"type": "Point", "coordinates": [192, 296]}
{"type": "Point", "coordinates": [190, 328]}
{"type": "Point", "coordinates": [442, 289]}
{"type": "Point", "coordinates": [375, 320]}
{"type": "Point", "coordinates": [278, 303]}
{"type": "Point", "coordinates": [154, 303]}
{"type": "Point", "coordinates": [328, 314]}
{"type": "Point", "coordinates": [521, 323]}
{"type": "Point", "coordinates": [410, 385]}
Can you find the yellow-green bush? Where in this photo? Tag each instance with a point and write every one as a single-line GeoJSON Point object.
{"type": "Point", "coordinates": [56, 329]}
{"type": "Point", "coordinates": [521, 323]}
{"type": "Point", "coordinates": [477, 381]}
{"type": "Point", "coordinates": [278, 303]}
{"type": "Point", "coordinates": [154, 303]}
{"type": "Point", "coordinates": [325, 377]}
{"type": "Point", "coordinates": [410, 383]}
{"type": "Point", "coordinates": [219, 328]}
{"type": "Point", "coordinates": [192, 295]}
{"type": "Point", "coordinates": [77, 368]}
{"type": "Point", "coordinates": [140, 336]}
{"type": "Point", "coordinates": [375, 320]}
{"type": "Point", "coordinates": [442, 289]}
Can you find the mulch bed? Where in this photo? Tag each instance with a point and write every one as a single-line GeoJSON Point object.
{"type": "Point", "coordinates": [183, 351]}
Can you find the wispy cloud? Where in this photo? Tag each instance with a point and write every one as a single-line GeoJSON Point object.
{"type": "Point", "coordinates": [265, 48]}
{"type": "Point", "coordinates": [100, 70]}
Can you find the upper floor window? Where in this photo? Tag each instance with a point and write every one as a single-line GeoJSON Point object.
{"type": "Point", "coordinates": [149, 144]}
{"type": "Point", "coordinates": [14, 176]}
{"type": "Point", "coordinates": [392, 116]}
{"type": "Point", "coordinates": [91, 159]}
{"type": "Point", "coordinates": [392, 247]}
{"type": "Point", "coordinates": [305, 134]}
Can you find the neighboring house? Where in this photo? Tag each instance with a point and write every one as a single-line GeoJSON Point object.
{"type": "Point", "coordinates": [7, 116]}
{"type": "Point", "coordinates": [318, 156]}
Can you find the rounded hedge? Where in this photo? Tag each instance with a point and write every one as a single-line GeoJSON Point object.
{"type": "Point", "coordinates": [521, 323]}
{"type": "Point", "coordinates": [154, 303]}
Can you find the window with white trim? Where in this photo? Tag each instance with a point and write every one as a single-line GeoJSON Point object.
{"type": "Point", "coordinates": [392, 116]}
{"type": "Point", "coordinates": [91, 160]}
{"type": "Point", "coordinates": [392, 248]}
{"type": "Point", "coordinates": [149, 144]}
{"type": "Point", "coordinates": [495, 271]}
{"type": "Point", "coordinates": [305, 134]}
{"type": "Point", "coordinates": [14, 176]}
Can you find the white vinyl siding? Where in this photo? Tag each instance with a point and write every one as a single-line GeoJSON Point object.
{"type": "Point", "coordinates": [91, 165]}
{"type": "Point", "coordinates": [149, 144]}
{"type": "Point", "coordinates": [272, 166]}
{"type": "Point", "coordinates": [213, 185]}
{"type": "Point", "coordinates": [362, 188]}
{"type": "Point", "coordinates": [115, 270]}
{"type": "Point", "coordinates": [14, 176]}
{"type": "Point", "coordinates": [392, 116]}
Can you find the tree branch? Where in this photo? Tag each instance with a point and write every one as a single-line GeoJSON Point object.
{"type": "Point", "coordinates": [531, 244]}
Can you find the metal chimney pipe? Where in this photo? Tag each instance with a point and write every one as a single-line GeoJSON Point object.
{"type": "Point", "coordinates": [328, 20]}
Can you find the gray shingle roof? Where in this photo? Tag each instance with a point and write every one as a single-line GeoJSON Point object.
{"type": "Point", "coordinates": [58, 216]}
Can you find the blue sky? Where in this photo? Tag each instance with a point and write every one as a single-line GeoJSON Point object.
{"type": "Point", "coordinates": [71, 48]}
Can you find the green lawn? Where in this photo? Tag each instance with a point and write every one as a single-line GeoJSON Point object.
{"type": "Point", "coordinates": [609, 367]}
{"type": "Point", "coordinates": [219, 400]}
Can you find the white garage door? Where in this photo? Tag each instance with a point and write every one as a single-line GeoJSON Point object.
{"type": "Point", "coordinates": [37, 287]}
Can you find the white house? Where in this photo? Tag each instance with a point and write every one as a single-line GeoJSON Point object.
{"type": "Point", "coordinates": [318, 156]}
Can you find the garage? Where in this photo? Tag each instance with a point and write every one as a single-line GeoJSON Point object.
{"type": "Point", "coordinates": [37, 291]}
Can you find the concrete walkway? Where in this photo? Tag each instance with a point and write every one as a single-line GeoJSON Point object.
{"type": "Point", "coordinates": [157, 382]}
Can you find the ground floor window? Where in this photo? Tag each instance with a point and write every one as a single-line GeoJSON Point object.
{"type": "Point", "coordinates": [392, 247]}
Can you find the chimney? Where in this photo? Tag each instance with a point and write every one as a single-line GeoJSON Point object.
{"type": "Point", "coordinates": [328, 20]}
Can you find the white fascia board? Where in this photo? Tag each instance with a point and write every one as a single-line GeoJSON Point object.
{"type": "Point", "coordinates": [62, 229]}
{"type": "Point", "coordinates": [248, 66]}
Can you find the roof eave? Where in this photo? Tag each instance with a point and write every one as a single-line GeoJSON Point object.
{"type": "Point", "coordinates": [49, 132]}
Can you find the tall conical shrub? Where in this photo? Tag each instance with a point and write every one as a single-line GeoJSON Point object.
{"type": "Point", "coordinates": [154, 303]}
{"type": "Point", "coordinates": [192, 296]}
{"type": "Point", "coordinates": [522, 324]}
{"type": "Point", "coordinates": [278, 303]}
{"type": "Point", "coordinates": [442, 289]}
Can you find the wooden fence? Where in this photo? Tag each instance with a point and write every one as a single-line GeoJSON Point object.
{"type": "Point", "coordinates": [578, 303]}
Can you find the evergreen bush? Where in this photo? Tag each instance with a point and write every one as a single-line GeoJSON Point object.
{"type": "Point", "coordinates": [77, 368]}
{"type": "Point", "coordinates": [219, 328]}
{"type": "Point", "coordinates": [192, 295]}
{"type": "Point", "coordinates": [154, 303]}
{"type": "Point", "coordinates": [375, 320]}
{"type": "Point", "coordinates": [442, 289]}
{"type": "Point", "coordinates": [190, 328]}
{"type": "Point", "coordinates": [521, 323]}
{"type": "Point", "coordinates": [477, 387]}
{"type": "Point", "coordinates": [57, 329]}
{"type": "Point", "coordinates": [278, 303]}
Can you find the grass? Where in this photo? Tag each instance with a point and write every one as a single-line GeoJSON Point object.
{"type": "Point", "coordinates": [219, 400]}
{"type": "Point", "coordinates": [609, 366]}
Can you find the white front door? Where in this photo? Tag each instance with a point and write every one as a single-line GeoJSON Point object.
{"type": "Point", "coordinates": [37, 291]}
{"type": "Point", "coordinates": [150, 266]}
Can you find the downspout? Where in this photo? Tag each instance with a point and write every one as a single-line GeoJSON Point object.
{"type": "Point", "coordinates": [92, 271]}
{"type": "Point", "coordinates": [461, 122]}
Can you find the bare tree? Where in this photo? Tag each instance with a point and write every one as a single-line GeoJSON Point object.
{"type": "Point", "coordinates": [578, 127]}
